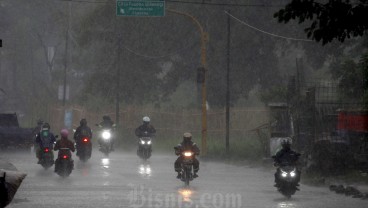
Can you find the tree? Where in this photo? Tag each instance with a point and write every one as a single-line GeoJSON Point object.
{"type": "Point", "coordinates": [335, 19]}
{"type": "Point", "coordinates": [353, 79]}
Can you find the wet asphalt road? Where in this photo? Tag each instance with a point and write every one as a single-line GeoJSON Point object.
{"type": "Point", "coordinates": [124, 180]}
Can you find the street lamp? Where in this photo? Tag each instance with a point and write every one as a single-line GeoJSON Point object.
{"type": "Point", "coordinates": [204, 40]}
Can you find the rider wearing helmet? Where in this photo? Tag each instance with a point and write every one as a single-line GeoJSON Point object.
{"type": "Point", "coordinates": [44, 139]}
{"type": "Point", "coordinates": [64, 142]}
{"type": "Point", "coordinates": [82, 131]}
{"type": "Point", "coordinates": [285, 156]}
{"type": "Point", "coordinates": [146, 129]}
{"type": "Point", "coordinates": [36, 130]}
{"type": "Point", "coordinates": [186, 145]}
{"type": "Point", "coordinates": [106, 122]}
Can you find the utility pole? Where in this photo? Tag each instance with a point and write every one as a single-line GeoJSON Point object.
{"type": "Point", "coordinates": [117, 66]}
{"type": "Point", "coordinates": [228, 87]}
{"type": "Point", "coordinates": [66, 55]}
{"type": "Point", "coordinates": [118, 80]}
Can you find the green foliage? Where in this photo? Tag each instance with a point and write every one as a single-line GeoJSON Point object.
{"type": "Point", "coordinates": [335, 19]}
{"type": "Point", "coordinates": [353, 79]}
{"type": "Point", "coordinates": [275, 94]}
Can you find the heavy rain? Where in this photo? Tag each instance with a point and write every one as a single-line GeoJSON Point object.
{"type": "Point", "coordinates": [184, 103]}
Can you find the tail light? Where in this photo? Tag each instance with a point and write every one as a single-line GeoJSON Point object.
{"type": "Point", "coordinates": [46, 150]}
{"type": "Point", "coordinates": [65, 157]}
{"type": "Point", "coordinates": [85, 139]}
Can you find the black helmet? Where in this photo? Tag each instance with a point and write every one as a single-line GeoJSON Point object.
{"type": "Point", "coordinates": [286, 144]}
{"type": "Point", "coordinates": [39, 122]}
{"type": "Point", "coordinates": [187, 137]}
{"type": "Point", "coordinates": [46, 126]}
{"type": "Point", "coordinates": [106, 118]}
{"type": "Point", "coordinates": [83, 122]}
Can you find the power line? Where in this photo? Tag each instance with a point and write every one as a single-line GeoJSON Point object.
{"type": "Point", "coordinates": [262, 31]}
{"type": "Point", "coordinates": [223, 4]}
{"type": "Point", "coordinates": [184, 2]}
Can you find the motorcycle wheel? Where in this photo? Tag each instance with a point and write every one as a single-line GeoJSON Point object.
{"type": "Point", "coordinates": [287, 191]}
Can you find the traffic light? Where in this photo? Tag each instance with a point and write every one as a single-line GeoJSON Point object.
{"type": "Point", "coordinates": [201, 75]}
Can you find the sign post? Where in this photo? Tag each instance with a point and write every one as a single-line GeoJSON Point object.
{"type": "Point", "coordinates": [142, 8]}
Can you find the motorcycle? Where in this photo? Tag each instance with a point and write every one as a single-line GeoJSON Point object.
{"type": "Point", "coordinates": [105, 141]}
{"type": "Point", "coordinates": [64, 163]}
{"type": "Point", "coordinates": [84, 149]}
{"type": "Point", "coordinates": [47, 157]}
{"type": "Point", "coordinates": [288, 179]}
{"type": "Point", "coordinates": [187, 167]}
{"type": "Point", "coordinates": [144, 146]}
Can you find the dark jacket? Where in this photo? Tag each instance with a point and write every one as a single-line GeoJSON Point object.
{"type": "Point", "coordinates": [286, 156]}
{"type": "Point", "coordinates": [82, 131]}
{"type": "Point", "coordinates": [44, 140]}
{"type": "Point", "coordinates": [64, 143]}
{"type": "Point", "coordinates": [187, 146]}
{"type": "Point", "coordinates": [140, 131]}
{"type": "Point", "coordinates": [106, 124]}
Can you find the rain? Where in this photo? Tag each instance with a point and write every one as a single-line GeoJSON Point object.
{"type": "Point", "coordinates": [113, 103]}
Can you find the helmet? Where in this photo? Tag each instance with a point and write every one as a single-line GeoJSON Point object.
{"type": "Point", "coordinates": [46, 126]}
{"type": "Point", "coordinates": [83, 122]}
{"type": "Point", "coordinates": [146, 119]}
{"type": "Point", "coordinates": [286, 143]}
{"type": "Point", "coordinates": [187, 136]}
{"type": "Point", "coordinates": [106, 118]}
{"type": "Point", "coordinates": [39, 122]}
{"type": "Point", "coordinates": [64, 133]}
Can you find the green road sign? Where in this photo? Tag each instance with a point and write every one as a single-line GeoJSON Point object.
{"type": "Point", "coordinates": [145, 8]}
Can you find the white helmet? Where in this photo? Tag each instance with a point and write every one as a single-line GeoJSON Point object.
{"type": "Point", "coordinates": [146, 119]}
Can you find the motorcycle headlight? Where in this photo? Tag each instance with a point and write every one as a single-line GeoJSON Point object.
{"type": "Point", "coordinates": [188, 154]}
{"type": "Point", "coordinates": [106, 135]}
{"type": "Point", "coordinates": [149, 142]}
{"type": "Point", "coordinates": [293, 173]}
{"type": "Point", "coordinates": [143, 142]}
{"type": "Point", "coordinates": [283, 174]}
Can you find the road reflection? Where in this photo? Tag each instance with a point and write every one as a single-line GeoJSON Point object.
{"type": "Point", "coordinates": [286, 205]}
{"type": "Point", "coordinates": [105, 162]}
{"type": "Point", "coordinates": [84, 167]}
{"type": "Point", "coordinates": [145, 170]}
{"type": "Point", "coordinates": [186, 194]}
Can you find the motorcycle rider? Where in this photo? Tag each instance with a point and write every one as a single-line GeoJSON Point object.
{"type": "Point", "coordinates": [44, 139]}
{"type": "Point", "coordinates": [286, 156]}
{"type": "Point", "coordinates": [36, 130]}
{"type": "Point", "coordinates": [186, 145]}
{"type": "Point", "coordinates": [145, 127]}
{"type": "Point", "coordinates": [145, 130]}
{"type": "Point", "coordinates": [107, 123]}
{"type": "Point", "coordinates": [82, 131]}
{"type": "Point", "coordinates": [64, 142]}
